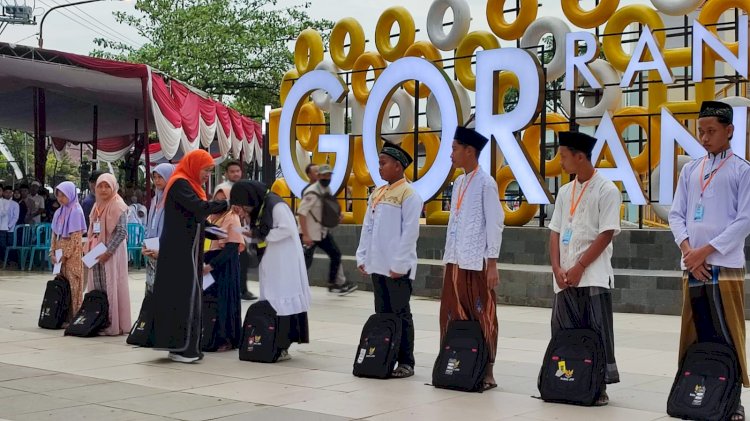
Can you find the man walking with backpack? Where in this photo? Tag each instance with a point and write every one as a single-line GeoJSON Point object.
{"type": "Point", "coordinates": [318, 213]}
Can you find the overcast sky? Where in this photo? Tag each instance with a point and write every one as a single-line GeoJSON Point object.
{"type": "Point", "coordinates": [73, 29]}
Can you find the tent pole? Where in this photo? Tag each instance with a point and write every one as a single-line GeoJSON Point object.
{"type": "Point", "coordinates": [95, 138]}
{"type": "Point", "coordinates": [40, 134]}
{"type": "Point", "coordinates": [146, 112]}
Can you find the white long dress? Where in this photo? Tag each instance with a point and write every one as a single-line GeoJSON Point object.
{"type": "Point", "coordinates": [283, 275]}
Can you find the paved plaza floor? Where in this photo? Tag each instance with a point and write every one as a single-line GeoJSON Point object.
{"type": "Point", "coordinates": [45, 376]}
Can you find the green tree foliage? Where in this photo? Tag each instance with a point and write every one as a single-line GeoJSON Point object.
{"type": "Point", "coordinates": [234, 48]}
{"type": "Point", "coordinates": [20, 146]}
{"type": "Point", "coordinates": [554, 88]}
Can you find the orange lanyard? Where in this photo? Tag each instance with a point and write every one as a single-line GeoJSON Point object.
{"type": "Point", "coordinates": [703, 167]}
{"type": "Point", "coordinates": [575, 202]}
{"type": "Point", "coordinates": [387, 188]}
{"type": "Point", "coordinates": [462, 191]}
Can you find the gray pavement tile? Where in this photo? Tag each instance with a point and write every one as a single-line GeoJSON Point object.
{"type": "Point", "coordinates": [81, 413]}
{"type": "Point", "coordinates": [104, 392]}
{"type": "Point", "coordinates": [12, 406]}
{"type": "Point", "coordinates": [282, 414]}
{"type": "Point", "coordinates": [52, 382]}
{"type": "Point", "coordinates": [166, 404]}
{"type": "Point", "coordinates": [12, 372]}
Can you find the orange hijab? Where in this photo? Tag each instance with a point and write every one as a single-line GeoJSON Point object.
{"type": "Point", "coordinates": [189, 169]}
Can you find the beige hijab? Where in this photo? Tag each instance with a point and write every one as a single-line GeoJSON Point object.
{"type": "Point", "coordinates": [108, 212]}
{"type": "Point", "coordinates": [227, 221]}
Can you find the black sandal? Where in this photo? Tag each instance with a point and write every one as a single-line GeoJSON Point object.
{"type": "Point", "coordinates": [488, 386]}
{"type": "Point", "coordinates": [402, 371]}
{"type": "Point", "coordinates": [739, 414]}
{"type": "Point", "coordinates": [603, 399]}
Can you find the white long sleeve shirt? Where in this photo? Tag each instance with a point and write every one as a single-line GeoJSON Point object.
{"type": "Point", "coordinates": [598, 211]}
{"type": "Point", "coordinates": [388, 242]}
{"type": "Point", "coordinates": [726, 208]}
{"type": "Point", "coordinates": [8, 214]}
{"type": "Point", "coordinates": [475, 230]}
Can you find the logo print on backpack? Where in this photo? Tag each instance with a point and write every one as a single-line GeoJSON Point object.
{"type": "Point", "coordinates": [453, 366]}
{"type": "Point", "coordinates": [698, 394]}
{"type": "Point", "coordinates": [563, 373]}
{"type": "Point", "coordinates": [45, 312]}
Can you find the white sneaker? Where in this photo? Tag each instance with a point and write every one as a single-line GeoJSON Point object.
{"type": "Point", "coordinates": [347, 289]}
{"type": "Point", "coordinates": [180, 359]}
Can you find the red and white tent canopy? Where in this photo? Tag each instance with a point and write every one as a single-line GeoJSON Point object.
{"type": "Point", "coordinates": [124, 95]}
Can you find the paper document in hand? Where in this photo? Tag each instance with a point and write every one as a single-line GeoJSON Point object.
{"type": "Point", "coordinates": [58, 258]}
{"type": "Point", "coordinates": [91, 258]}
{"type": "Point", "coordinates": [208, 280]}
{"type": "Point", "coordinates": [220, 233]}
{"type": "Point", "coordinates": [151, 243]}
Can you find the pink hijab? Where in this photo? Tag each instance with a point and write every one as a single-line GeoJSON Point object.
{"type": "Point", "coordinates": [107, 212]}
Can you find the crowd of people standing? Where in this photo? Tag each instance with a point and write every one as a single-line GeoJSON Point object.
{"type": "Point", "coordinates": [186, 220]}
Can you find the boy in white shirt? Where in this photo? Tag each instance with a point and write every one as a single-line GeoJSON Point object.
{"type": "Point", "coordinates": [388, 247]}
{"type": "Point", "coordinates": [475, 230]}
{"type": "Point", "coordinates": [586, 218]}
{"type": "Point", "coordinates": [710, 220]}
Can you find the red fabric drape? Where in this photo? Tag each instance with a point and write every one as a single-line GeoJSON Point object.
{"type": "Point", "coordinates": [114, 144]}
{"type": "Point", "coordinates": [249, 128]}
{"type": "Point", "coordinates": [189, 105]}
{"type": "Point", "coordinates": [163, 99]}
{"type": "Point", "coordinates": [259, 133]}
{"type": "Point", "coordinates": [207, 110]}
{"type": "Point", "coordinates": [110, 67]}
{"type": "Point", "coordinates": [225, 121]}
{"type": "Point", "coordinates": [236, 118]}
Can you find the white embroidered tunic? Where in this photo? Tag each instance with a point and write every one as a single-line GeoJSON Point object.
{"type": "Point", "coordinates": [475, 230]}
{"type": "Point", "coordinates": [390, 231]}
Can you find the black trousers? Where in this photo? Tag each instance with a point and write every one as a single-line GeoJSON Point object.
{"type": "Point", "coordinates": [328, 245]}
{"type": "Point", "coordinates": [392, 296]}
{"type": "Point", "coordinates": [244, 263]}
{"type": "Point", "coordinates": [6, 240]}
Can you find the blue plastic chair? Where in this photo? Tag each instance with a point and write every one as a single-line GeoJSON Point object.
{"type": "Point", "coordinates": [22, 238]}
{"type": "Point", "coordinates": [42, 244]}
{"type": "Point", "coordinates": [136, 234]}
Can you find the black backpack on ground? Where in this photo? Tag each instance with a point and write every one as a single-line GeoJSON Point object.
{"type": "Point", "coordinates": [259, 331]}
{"type": "Point", "coordinates": [573, 368]}
{"type": "Point", "coordinates": [142, 332]}
{"type": "Point", "coordinates": [331, 215]}
{"type": "Point", "coordinates": [56, 303]}
{"type": "Point", "coordinates": [92, 317]}
{"type": "Point", "coordinates": [707, 385]}
{"type": "Point", "coordinates": [379, 344]}
{"type": "Point", "coordinates": [463, 358]}
{"type": "Point", "coordinates": [210, 316]}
